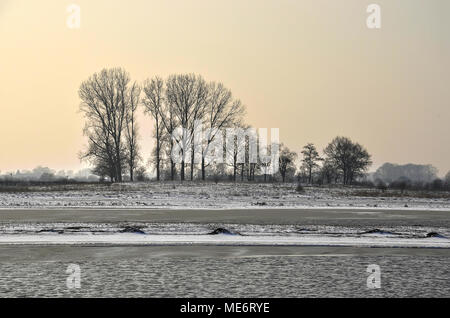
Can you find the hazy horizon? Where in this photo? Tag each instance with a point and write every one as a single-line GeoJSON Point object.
{"type": "Point", "coordinates": [310, 68]}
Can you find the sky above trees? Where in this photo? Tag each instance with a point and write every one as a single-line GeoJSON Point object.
{"type": "Point", "coordinates": [311, 68]}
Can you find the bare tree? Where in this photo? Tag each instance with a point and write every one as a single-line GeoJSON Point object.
{"type": "Point", "coordinates": [244, 153]}
{"type": "Point", "coordinates": [105, 106]}
{"type": "Point", "coordinates": [154, 105]}
{"type": "Point", "coordinates": [100, 153]}
{"type": "Point", "coordinates": [234, 149]}
{"type": "Point", "coordinates": [328, 172]}
{"type": "Point", "coordinates": [131, 135]}
{"type": "Point", "coordinates": [187, 97]}
{"type": "Point", "coordinates": [350, 158]}
{"type": "Point", "coordinates": [221, 111]}
{"type": "Point", "coordinates": [287, 159]}
{"type": "Point", "coordinates": [265, 166]}
{"type": "Point", "coordinates": [310, 159]}
{"type": "Point", "coordinates": [170, 123]}
{"type": "Point", "coordinates": [250, 166]}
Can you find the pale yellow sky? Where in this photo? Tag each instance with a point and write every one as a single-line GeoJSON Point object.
{"type": "Point", "coordinates": [311, 68]}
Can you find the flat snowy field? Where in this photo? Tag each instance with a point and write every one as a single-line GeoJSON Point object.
{"type": "Point", "coordinates": [194, 195]}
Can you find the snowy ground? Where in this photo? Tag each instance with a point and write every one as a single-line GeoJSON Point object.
{"type": "Point", "coordinates": [127, 239]}
{"type": "Point", "coordinates": [218, 196]}
{"type": "Point", "coordinates": [160, 239]}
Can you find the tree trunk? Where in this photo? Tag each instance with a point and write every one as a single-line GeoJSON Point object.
{"type": "Point", "coordinates": [172, 170]}
{"type": "Point", "coordinates": [310, 176]}
{"type": "Point", "coordinates": [192, 163]}
{"type": "Point", "coordinates": [118, 164]}
{"type": "Point", "coordinates": [118, 177]}
{"type": "Point", "coordinates": [157, 171]}
{"type": "Point", "coordinates": [158, 156]}
{"type": "Point", "coordinates": [203, 169]}
{"type": "Point", "coordinates": [182, 170]}
{"type": "Point", "coordinates": [172, 164]}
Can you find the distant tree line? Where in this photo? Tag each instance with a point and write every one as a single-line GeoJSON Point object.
{"type": "Point", "coordinates": [409, 177]}
{"type": "Point", "coordinates": [45, 174]}
{"type": "Point", "coordinates": [389, 173]}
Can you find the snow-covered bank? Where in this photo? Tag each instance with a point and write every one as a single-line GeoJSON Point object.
{"type": "Point", "coordinates": [217, 196]}
{"type": "Point", "coordinates": [137, 239]}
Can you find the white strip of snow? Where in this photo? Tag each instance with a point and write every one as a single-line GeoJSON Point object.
{"type": "Point", "coordinates": [357, 209]}
{"type": "Point", "coordinates": [138, 239]}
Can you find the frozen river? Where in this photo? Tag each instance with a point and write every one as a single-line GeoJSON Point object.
{"type": "Point", "coordinates": [268, 253]}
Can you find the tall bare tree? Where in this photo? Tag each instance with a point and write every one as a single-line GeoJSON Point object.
{"type": "Point", "coordinates": [170, 123]}
{"type": "Point", "coordinates": [131, 130]}
{"type": "Point", "coordinates": [286, 159]}
{"type": "Point", "coordinates": [222, 111]}
{"type": "Point", "coordinates": [100, 152]}
{"type": "Point", "coordinates": [187, 97]}
{"type": "Point", "coordinates": [105, 104]}
{"type": "Point", "coordinates": [310, 159]}
{"type": "Point", "coordinates": [154, 105]}
{"type": "Point", "coordinates": [234, 148]}
{"type": "Point", "coordinates": [328, 172]}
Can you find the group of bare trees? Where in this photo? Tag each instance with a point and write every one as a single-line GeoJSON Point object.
{"type": "Point", "coordinates": [344, 162]}
{"type": "Point", "coordinates": [185, 101]}
{"type": "Point", "coordinates": [110, 103]}
{"type": "Point", "coordinates": [347, 162]}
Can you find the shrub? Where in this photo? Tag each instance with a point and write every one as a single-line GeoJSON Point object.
{"type": "Point", "coordinates": [381, 186]}
{"type": "Point", "coordinates": [141, 174]}
{"type": "Point", "coordinates": [437, 185]}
